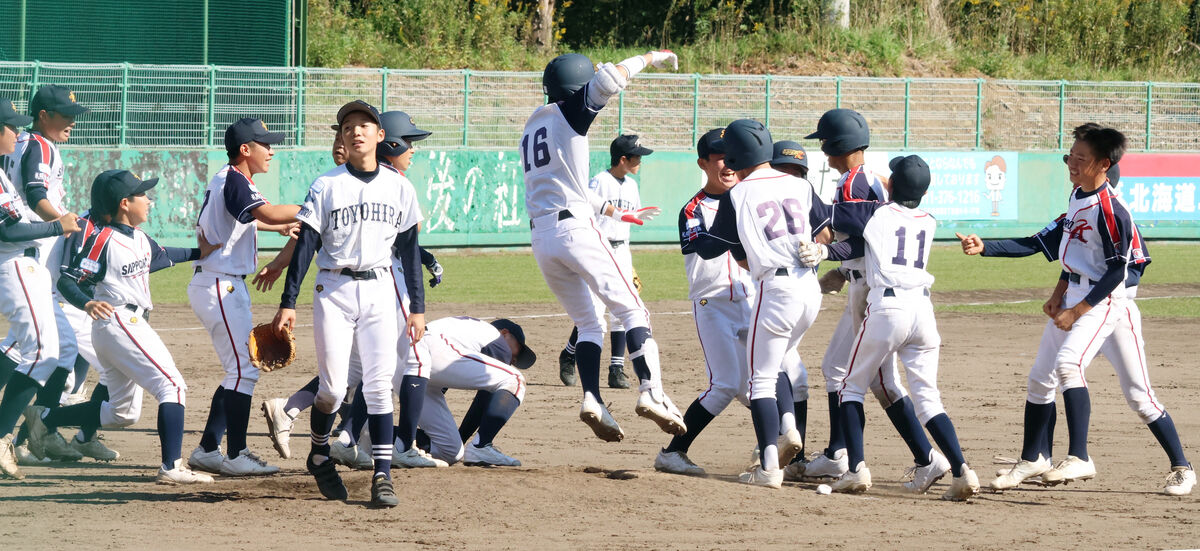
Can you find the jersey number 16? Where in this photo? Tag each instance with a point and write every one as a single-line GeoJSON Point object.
{"type": "Point", "coordinates": [541, 150]}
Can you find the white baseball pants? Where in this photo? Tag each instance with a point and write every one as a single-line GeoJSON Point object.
{"type": "Point", "coordinates": [785, 307]}
{"type": "Point", "coordinates": [222, 302]}
{"type": "Point", "coordinates": [355, 313]}
{"type": "Point", "coordinates": [886, 386]}
{"type": "Point", "coordinates": [28, 305]}
{"type": "Point", "coordinates": [135, 358]}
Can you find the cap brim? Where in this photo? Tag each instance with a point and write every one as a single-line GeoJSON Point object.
{"type": "Point", "coordinates": [525, 359]}
{"type": "Point", "coordinates": [416, 135]}
{"type": "Point", "coordinates": [72, 110]}
{"type": "Point", "coordinates": [335, 127]}
{"type": "Point", "coordinates": [18, 120]}
{"type": "Point", "coordinates": [352, 107]}
{"type": "Point", "coordinates": [271, 138]}
{"type": "Point", "coordinates": [814, 136]}
{"type": "Point", "coordinates": [895, 161]}
{"type": "Point", "coordinates": [640, 151]}
{"type": "Point", "coordinates": [788, 160]}
{"type": "Point", "coordinates": [145, 186]}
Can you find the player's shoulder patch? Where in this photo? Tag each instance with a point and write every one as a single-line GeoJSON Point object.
{"type": "Point", "coordinates": [9, 209]}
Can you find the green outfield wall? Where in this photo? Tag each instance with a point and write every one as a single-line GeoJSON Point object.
{"type": "Point", "coordinates": [476, 197]}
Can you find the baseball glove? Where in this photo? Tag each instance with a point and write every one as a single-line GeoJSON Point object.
{"type": "Point", "coordinates": [832, 282]}
{"type": "Point", "coordinates": [269, 351]}
{"type": "Point", "coordinates": [637, 282]}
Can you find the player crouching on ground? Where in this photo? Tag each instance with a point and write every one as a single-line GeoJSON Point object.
{"type": "Point", "coordinates": [895, 238]}
{"type": "Point", "coordinates": [133, 356]}
{"type": "Point", "coordinates": [353, 218]}
{"type": "Point", "coordinates": [234, 210]}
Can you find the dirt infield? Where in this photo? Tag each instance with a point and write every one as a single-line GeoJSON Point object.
{"type": "Point", "coordinates": [566, 496]}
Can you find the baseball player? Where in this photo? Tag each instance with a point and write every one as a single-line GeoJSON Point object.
{"type": "Point", "coordinates": [36, 167]}
{"type": "Point", "coordinates": [721, 292]}
{"type": "Point", "coordinates": [469, 354]}
{"type": "Point", "coordinates": [234, 211]}
{"type": "Point", "coordinates": [845, 136]}
{"type": "Point", "coordinates": [789, 157]}
{"type": "Point", "coordinates": [118, 259]}
{"type": "Point", "coordinates": [573, 255]}
{"type": "Point", "coordinates": [1091, 236]}
{"type": "Point", "coordinates": [25, 297]}
{"type": "Point", "coordinates": [617, 187]}
{"type": "Point", "coordinates": [761, 220]}
{"type": "Point", "coordinates": [895, 238]}
{"type": "Point", "coordinates": [354, 219]}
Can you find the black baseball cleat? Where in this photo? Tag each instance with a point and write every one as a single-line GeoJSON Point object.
{"type": "Point", "coordinates": [616, 377]}
{"type": "Point", "coordinates": [328, 480]}
{"type": "Point", "coordinates": [382, 493]}
{"type": "Point", "coordinates": [566, 368]}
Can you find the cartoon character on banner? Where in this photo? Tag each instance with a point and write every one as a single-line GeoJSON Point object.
{"type": "Point", "coordinates": [995, 175]}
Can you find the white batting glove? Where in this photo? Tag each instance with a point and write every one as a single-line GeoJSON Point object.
{"type": "Point", "coordinates": [661, 58]}
{"type": "Point", "coordinates": [812, 254]}
{"type": "Point", "coordinates": [639, 216]}
{"type": "Point", "coordinates": [608, 83]}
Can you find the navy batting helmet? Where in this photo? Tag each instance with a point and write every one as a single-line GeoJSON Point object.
{"type": "Point", "coordinates": [787, 152]}
{"type": "Point", "coordinates": [746, 143]}
{"type": "Point", "coordinates": [843, 131]}
{"type": "Point", "coordinates": [398, 132]}
{"type": "Point", "coordinates": [910, 178]}
{"type": "Point", "coordinates": [565, 75]}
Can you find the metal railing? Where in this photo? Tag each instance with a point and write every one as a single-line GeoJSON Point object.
{"type": "Point", "coordinates": [152, 106]}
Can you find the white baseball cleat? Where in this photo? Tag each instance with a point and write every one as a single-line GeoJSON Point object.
{"type": "Point", "coordinates": [351, 456]}
{"type": "Point", "coordinates": [94, 449]}
{"type": "Point", "coordinates": [760, 477]}
{"type": "Point", "coordinates": [279, 425]}
{"type": "Point", "coordinates": [201, 460]}
{"type": "Point", "coordinates": [596, 416]}
{"type": "Point", "coordinates": [8, 459]}
{"type": "Point", "coordinates": [654, 405]}
{"type": "Point", "coordinates": [247, 463]}
{"type": "Point", "coordinates": [789, 444]}
{"type": "Point", "coordinates": [824, 467]}
{"type": "Point", "coordinates": [1021, 472]}
{"type": "Point", "coordinates": [488, 455]}
{"type": "Point", "coordinates": [963, 487]}
{"type": "Point", "coordinates": [1180, 481]}
{"type": "Point", "coordinates": [181, 475]}
{"type": "Point", "coordinates": [924, 477]}
{"type": "Point", "coordinates": [414, 458]}
{"type": "Point", "coordinates": [25, 458]}
{"type": "Point", "coordinates": [1069, 470]}
{"type": "Point", "coordinates": [854, 482]}
{"type": "Point", "coordinates": [676, 463]}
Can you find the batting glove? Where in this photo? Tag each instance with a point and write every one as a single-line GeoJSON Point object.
{"type": "Point", "coordinates": [435, 270]}
{"type": "Point", "coordinates": [639, 216]}
{"type": "Point", "coordinates": [608, 81]}
{"type": "Point", "coordinates": [661, 58]}
{"type": "Point", "coordinates": [812, 254]}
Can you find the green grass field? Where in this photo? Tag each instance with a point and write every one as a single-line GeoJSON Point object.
{"type": "Point", "coordinates": [513, 277]}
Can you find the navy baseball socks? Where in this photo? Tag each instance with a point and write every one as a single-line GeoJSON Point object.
{"type": "Point", "coordinates": [837, 437]}
{"type": "Point", "coordinates": [636, 338]}
{"type": "Point", "coordinates": [501, 407]}
{"type": "Point", "coordinates": [587, 360]}
{"type": "Point", "coordinates": [696, 418]}
{"type": "Point", "coordinates": [853, 422]}
{"type": "Point", "coordinates": [237, 420]}
{"type": "Point", "coordinates": [1078, 404]}
{"type": "Point", "coordinates": [471, 419]}
{"type": "Point", "coordinates": [764, 412]}
{"type": "Point", "coordinates": [170, 433]}
{"type": "Point", "coordinates": [412, 399]}
{"type": "Point", "coordinates": [1036, 438]}
{"type": "Point", "coordinates": [17, 396]}
{"type": "Point", "coordinates": [1163, 429]}
{"type": "Point", "coordinates": [47, 396]}
{"type": "Point", "coordinates": [904, 418]}
{"type": "Point", "coordinates": [214, 427]}
{"type": "Point", "coordinates": [947, 439]}
{"type": "Point", "coordinates": [379, 427]}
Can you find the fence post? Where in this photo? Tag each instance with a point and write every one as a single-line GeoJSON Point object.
{"type": "Point", "coordinates": [620, 112]}
{"type": "Point", "coordinates": [907, 87]}
{"type": "Point", "coordinates": [37, 70]}
{"type": "Point", "coordinates": [466, 104]}
{"type": "Point", "coordinates": [1062, 102]}
{"type": "Point", "coordinates": [212, 103]}
{"type": "Point", "coordinates": [767, 102]}
{"type": "Point", "coordinates": [1149, 106]}
{"type": "Point", "coordinates": [695, 105]}
{"type": "Point", "coordinates": [837, 93]}
{"type": "Point", "coordinates": [124, 105]}
{"type": "Point", "coordinates": [383, 85]}
{"type": "Point", "coordinates": [978, 113]}
{"type": "Point", "coordinates": [300, 105]}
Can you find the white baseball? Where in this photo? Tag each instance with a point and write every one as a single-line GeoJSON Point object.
{"type": "Point", "coordinates": [824, 489]}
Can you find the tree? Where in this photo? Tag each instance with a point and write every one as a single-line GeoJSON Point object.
{"type": "Point", "coordinates": [543, 25]}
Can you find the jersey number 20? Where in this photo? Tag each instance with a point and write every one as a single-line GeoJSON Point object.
{"type": "Point", "coordinates": [541, 150]}
{"type": "Point", "coordinates": [899, 259]}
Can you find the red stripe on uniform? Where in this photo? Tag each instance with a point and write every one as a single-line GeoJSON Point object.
{"type": "Point", "coordinates": [489, 364]}
{"type": "Point", "coordinates": [1110, 219]}
{"type": "Point", "coordinates": [1142, 361]}
{"type": "Point", "coordinates": [848, 186]}
{"type": "Point", "coordinates": [36, 330]}
{"type": "Point", "coordinates": [754, 331]}
{"type": "Point", "coordinates": [98, 246]}
{"type": "Point", "coordinates": [689, 210]}
{"type": "Point", "coordinates": [404, 312]}
{"type": "Point", "coordinates": [178, 393]}
{"type": "Point", "coordinates": [237, 358]}
{"type": "Point", "coordinates": [707, 366]}
{"type": "Point", "coordinates": [46, 156]}
{"type": "Point", "coordinates": [1108, 304]}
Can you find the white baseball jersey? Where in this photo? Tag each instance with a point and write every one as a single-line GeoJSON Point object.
{"type": "Point", "coordinates": [897, 240]}
{"type": "Point", "coordinates": [227, 217]}
{"type": "Point", "coordinates": [622, 194]}
{"type": "Point", "coordinates": [859, 184]}
{"type": "Point", "coordinates": [775, 212]}
{"type": "Point", "coordinates": [36, 162]}
{"type": "Point", "coordinates": [1098, 232]}
{"type": "Point", "coordinates": [554, 150]}
{"type": "Point", "coordinates": [12, 211]}
{"type": "Point", "coordinates": [719, 277]}
{"type": "Point", "coordinates": [359, 220]}
{"type": "Point", "coordinates": [118, 261]}
{"type": "Point", "coordinates": [470, 335]}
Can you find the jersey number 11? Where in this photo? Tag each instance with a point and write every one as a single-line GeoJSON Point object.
{"type": "Point", "coordinates": [899, 260]}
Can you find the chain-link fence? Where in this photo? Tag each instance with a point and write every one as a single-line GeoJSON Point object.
{"type": "Point", "coordinates": [190, 106]}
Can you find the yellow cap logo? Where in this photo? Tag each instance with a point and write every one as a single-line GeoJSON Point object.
{"type": "Point", "coordinates": [722, 132]}
{"type": "Point", "coordinates": [264, 125]}
{"type": "Point", "coordinates": [794, 153]}
{"type": "Point", "coordinates": [71, 95]}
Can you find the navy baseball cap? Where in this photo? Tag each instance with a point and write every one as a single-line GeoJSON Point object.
{"type": "Point", "coordinates": [357, 105]}
{"type": "Point", "coordinates": [525, 357]}
{"type": "Point", "coordinates": [10, 117]}
{"type": "Point", "coordinates": [58, 99]}
{"type": "Point", "coordinates": [249, 130]}
{"type": "Point", "coordinates": [113, 185]}
{"type": "Point", "coordinates": [910, 178]}
{"type": "Point", "coordinates": [709, 143]}
{"type": "Point", "coordinates": [628, 146]}
{"type": "Point", "coordinates": [788, 152]}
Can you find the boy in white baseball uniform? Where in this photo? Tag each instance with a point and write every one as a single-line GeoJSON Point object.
{"type": "Point", "coordinates": [354, 219]}
{"type": "Point", "coordinates": [761, 221]}
{"type": "Point", "coordinates": [895, 238]}
{"type": "Point", "coordinates": [31, 348]}
{"type": "Point", "coordinates": [617, 187]}
{"type": "Point", "coordinates": [118, 259]}
{"type": "Point", "coordinates": [234, 211]}
{"type": "Point", "coordinates": [572, 253]}
{"type": "Point", "coordinates": [845, 136]}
